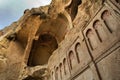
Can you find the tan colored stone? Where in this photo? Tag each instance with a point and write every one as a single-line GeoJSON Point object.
{"type": "Point", "coordinates": [3, 64]}
{"type": "Point", "coordinates": [66, 40]}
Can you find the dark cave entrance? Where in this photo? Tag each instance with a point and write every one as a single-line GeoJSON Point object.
{"type": "Point", "coordinates": [73, 8]}
{"type": "Point", "coordinates": [42, 49]}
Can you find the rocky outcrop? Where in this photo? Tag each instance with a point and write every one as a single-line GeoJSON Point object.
{"type": "Point", "coordinates": [66, 40]}
{"type": "Point", "coordinates": [35, 73]}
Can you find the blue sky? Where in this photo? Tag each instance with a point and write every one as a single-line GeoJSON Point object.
{"type": "Point", "coordinates": [12, 10]}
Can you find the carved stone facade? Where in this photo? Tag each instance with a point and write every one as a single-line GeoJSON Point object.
{"type": "Point", "coordinates": [66, 40]}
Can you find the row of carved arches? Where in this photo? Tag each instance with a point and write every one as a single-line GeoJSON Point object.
{"type": "Point", "coordinates": [99, 32]}
{"type": "Point", "coordinates": [74, 57]}
{"type": "Point", "coordinates": [101, 29]}
{"type": "Point", "coordinates": [67, 64]}
{"type": "Point", "coordinates": [61, 71]}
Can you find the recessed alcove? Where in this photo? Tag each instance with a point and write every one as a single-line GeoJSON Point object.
{"type": "Point", "coordinates": [49, 35]}
{"type": "Point", "coordinates": [42, 49]}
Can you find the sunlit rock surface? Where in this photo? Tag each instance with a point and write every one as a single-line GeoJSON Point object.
{"type": "Point", "coordinates": [66, 40]}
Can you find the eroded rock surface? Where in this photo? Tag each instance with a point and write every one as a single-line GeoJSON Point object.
{"type": "Point", "coordinates": [35, 73]}
{"type": "Point", "coordinates": [66, 40]}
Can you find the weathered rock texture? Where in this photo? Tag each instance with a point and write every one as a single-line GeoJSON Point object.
{"type": "Point", "coordinates": [66, 40]}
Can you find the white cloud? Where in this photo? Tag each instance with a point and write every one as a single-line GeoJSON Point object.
{"type": "Point", "coordinates": [11, 10]}
{"type": "Point", "coordinates": [37, 3]}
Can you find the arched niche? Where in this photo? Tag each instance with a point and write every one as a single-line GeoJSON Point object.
{"type": "Point", "coordinates": [100, 30]}
{"type": "Point", "coordinates": [91, 39]}
{"type": "Point", "coordinates": [61, 70]}
{"type": "Point", "coordinates": [65, 66]}
{"type": "Point", "coordinates": [72, 60]}
{"type": "Point", "coordinates": [78, 51]}
{"type": "Point", "coordinates": [57, 73]}
{"type": "Point", "coordinates": [42, 49]}
{"type": "Point", "coordinates": [109, 21]}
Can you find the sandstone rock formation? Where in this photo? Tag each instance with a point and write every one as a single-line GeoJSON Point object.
{"type": "Point", "coordinates": [66, 40]}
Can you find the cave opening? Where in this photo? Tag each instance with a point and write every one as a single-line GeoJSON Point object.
{"type": "Point", "coordinates": [42, 49]}
{"type": "Point", "coordinates": [73, 8]}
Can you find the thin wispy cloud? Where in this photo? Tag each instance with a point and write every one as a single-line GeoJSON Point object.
{"type": "Point", "coordinates": [12, 10]}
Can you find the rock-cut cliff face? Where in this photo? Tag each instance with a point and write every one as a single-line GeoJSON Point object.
{"type": "Point", "coordinates": [66, 40]}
